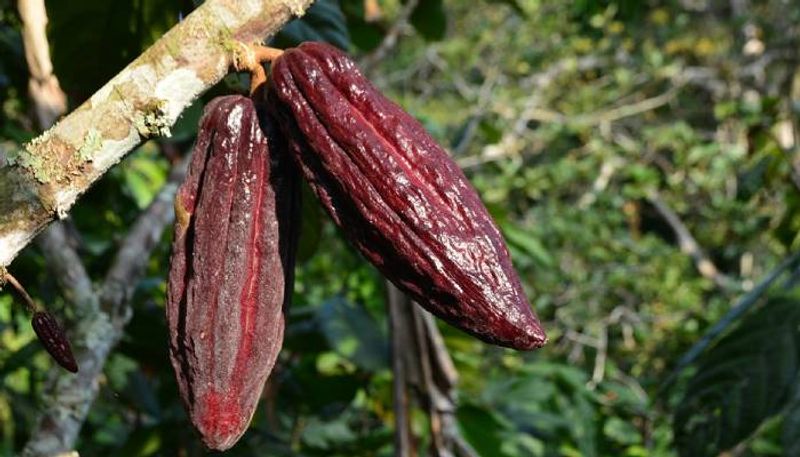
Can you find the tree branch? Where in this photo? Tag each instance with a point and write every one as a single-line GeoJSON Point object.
{"type": "Point", "coordinates": [69, 398]}
{"type": "Point", "coordinates": [133, 254]}
{"type": "Point", "coordinates": [72, 395]}
{"type": "Point", "coordinates": [396, 302]}
{"type": "Point", "coordinates": [420, 360]}
{"type": "Point", "coordinates": [142, 101]}
{"type": "Point", "coordinates": [510, 144]}
{"type": "Point", "coordinates": [50, 100]}
{"type": "Point", "coordinates": [68, 269]}
{"type": "Point", "coordinates": [689, 245]}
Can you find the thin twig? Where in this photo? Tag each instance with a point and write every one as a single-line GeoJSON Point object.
{"type": "Point", "coordinates": [444, 367]}
{"type": "Point", "coordinates": [26, 298]}
{"type": "Point", "coordinates": [603, 116]}
{"type": "Point", "coordinates": [389, 41]}
{"type": "Point", "coordinates": [428, 368]}
{"type": "Point", "coordinates": [599, 370]}
{"type": "Point", "coordinates": [633, 109]}
{"type": "Point", "coordinates": [49, 103]}
{"type": "Point", "coordinates": [396, 301]}
{"type": "Point", "coordinates": [793, 124]}
{"type": "Point", "coordinates": [484, 97]}
{"type": "Point", "coordinates": [601, 182]}
{"type": "Point", "coordinates": [436, 383]}
{"type": "Point", "coordinates": [510, 144]}
{"type": "Point", "coordinates": [689, 245]}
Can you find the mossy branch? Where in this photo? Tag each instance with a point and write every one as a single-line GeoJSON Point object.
{"type": "Point", "coordinates": [41, 181]}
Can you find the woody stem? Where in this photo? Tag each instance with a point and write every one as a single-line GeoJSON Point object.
{"type": "Point", "coordinates": [251, 59]}
{"type": "Point", "coordinates": [29, 304]}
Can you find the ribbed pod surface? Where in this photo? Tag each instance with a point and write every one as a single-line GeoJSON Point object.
{"type": "Point", "coordinates": [398, 196]}
{"type": "Point", "coordinates": [231, 268]}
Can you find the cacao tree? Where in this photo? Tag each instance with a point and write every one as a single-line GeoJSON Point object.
{"type": "Point", "coordinates": [639, 159]}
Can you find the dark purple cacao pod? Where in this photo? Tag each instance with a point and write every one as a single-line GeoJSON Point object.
{"type": "Point", "coordinates": [231, 269]}
{"type": "Point", "coordinates": [398, 196]}
{"type": "Point", "coordinates": [54, 339]}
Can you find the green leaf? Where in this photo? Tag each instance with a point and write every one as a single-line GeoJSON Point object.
{"type": "Point", "coordinates": [144, 172]}
{"type": "Point", "coordinates": [324, 21]}
{"type": "Point", "coordinates": [741, 381]}
{"type": "Point", "coordinates": [20, 358]}
{"type": "Point", "coordinates": [12, 61]}
{"type": "Point", "coordinates": [365, 36]}
{"type": "Point", "coordinates": [790, 435]}
{"type": "Point", "coordinates": [185, 127]}
{"type": "Point", "coordinates": [513, 4]}
{"type": "Point", "coordinates": [482, 428]}
{"type": "Point", "coordinates": [92, 40]}
{"type": "Point", "coordinates": [145, 339]}
{"type": "Point", "coordinates": [324, 435]}
{"type": "Point", "coordinates": [621, 431]}
{"type": "Point", "coordinates": [139, 390]}
{"type": "Point", "coordinates": [354, 333]}
{"type": "Point", "coordinates": [491, 132]}
{"type": "Point", "coordinates": [311, 225]}
{"type": "Point", "coordinates": [307, 387]}
{"type": "Point", "coordinates": [430, 19]}
{"type": "Point", "coordinates": [528, 244]}
{"type": "Point", "coordinates": [142, 442]}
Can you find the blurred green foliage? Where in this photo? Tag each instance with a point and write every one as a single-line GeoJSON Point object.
{"type": "Point", "coordinates": [568, 117]}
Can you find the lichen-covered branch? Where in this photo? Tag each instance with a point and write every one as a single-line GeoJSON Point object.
{"type": "Point", "coordinates": [42, 180]}
{"type": "Point", "coordinates": [49, 103]}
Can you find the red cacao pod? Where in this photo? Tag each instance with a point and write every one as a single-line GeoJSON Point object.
{"type": "Point", "coordinates": [54, 339]}
{"type": "Point", "coordinates": [231, 268]}
{"type": "Point", "coordinates": [398, 196]}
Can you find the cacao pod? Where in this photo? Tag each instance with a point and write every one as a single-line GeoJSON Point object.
{"type": "Point", "coordinates": [54, 339]}
{"type": "Point", "coordinates": [231, 269]}
{"type": "Point", "coordinates": [398, 196]}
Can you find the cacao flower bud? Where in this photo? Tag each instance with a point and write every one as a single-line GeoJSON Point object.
{"type": "Point", "coordinates": [231, 268]}
{"type": "Point", "coordinates": [398, 196]}
{"type": "Point", "coordinates": [54, 339]}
